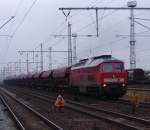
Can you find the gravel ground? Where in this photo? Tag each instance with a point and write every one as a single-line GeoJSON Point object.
{"type": "Point", "coordinates": [65, 119]}
{"type": "Point", "coordinates": [104, 104]}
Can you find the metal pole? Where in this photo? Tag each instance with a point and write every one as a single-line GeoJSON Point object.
{"type": "Point", "coordinates": [74, 48]}
{"type": "Point", "coordinates": [36, 56]}
{"type": "Point", "coordinates": [50, 57]}
{"type": "Point", "coordinates": [132, 42]}
{"type": "Point", "coordinates": [33, 57]}
{"type": "Point", "coordinates": [11, 69]}
{"type": "Point", "coordinates": [27, 64]}
{"type": "Point", "coordinates": [8, 69]}
{"type": "Point", "coordinates": [97, 27]}
{"type": "Point", "coordinates": [20, 65]}
{"type": "Point", "coordinates": [69, 45]}
{"type": "Point", "coordinates": [4, 73]}
{"type": "Point", "coordinates": [41, 57]}
{"type": "Point", "coordinates": [132, 5]}
{"type": "Point", "coordinates": [15, 67]}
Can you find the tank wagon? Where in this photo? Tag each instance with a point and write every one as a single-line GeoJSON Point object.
{"type": "Point", "coordinates": [101, 75]}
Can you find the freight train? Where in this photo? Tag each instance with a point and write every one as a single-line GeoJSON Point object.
{"type": "Point", "coordinates": [101, 75]}
{"type": "Point", "coordinates": [138, 76]}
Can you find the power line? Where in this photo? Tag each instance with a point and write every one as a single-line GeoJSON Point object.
{"type": "Point", "coordinates": [76, 14]}
{"type": "Point", "coordinates": [84, 27]}
{"type": "Point", "coordinates": [15, 14]}
{"type": "Point", "coordinates": [142, 25]}
{"type": "Point", "coordinates": [6, 22]}
{"type": "Point", "coordinates": [91, 23]}
{"type": "Point", "coordinates": [142, 19]}
{"type": "Point", "coordinates": [89, 5]}
{"type": "Point", "coordinates": [24, 17]}
{"type": "Point", "coordinates": [80, 11]}
{"type": "Point", "coordinates": [131, 6]}
{"type": "Point", "coordinates": [97, 22]}
{"type": "Point", "coordinates": [72, 16]}
{"type": "Point", "coordinates": [114, 25]}
{"type": "Point", "coordinates": [12, 17]}
{"type": "Point", "coordinates": [19, 4]}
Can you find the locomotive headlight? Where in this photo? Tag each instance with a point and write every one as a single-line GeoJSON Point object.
{"type": "Point", "coordinates": [104, 85]}
{"type": "Point", "coordinates": [123, 85]}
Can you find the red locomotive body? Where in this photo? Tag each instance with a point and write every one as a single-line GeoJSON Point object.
{"type": "Point", "coordinates": [101, 75]}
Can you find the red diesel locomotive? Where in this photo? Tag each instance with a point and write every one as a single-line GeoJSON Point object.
{"type": "Point", "coordinates": [101, 75]}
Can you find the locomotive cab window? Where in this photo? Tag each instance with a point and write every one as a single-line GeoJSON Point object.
{"type": "Point", "coordinates": [107, 67]}
{"type": "Point", "coordinates": [118, 67]}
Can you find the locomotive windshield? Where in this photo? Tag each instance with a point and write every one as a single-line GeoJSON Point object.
{"type": "Point", "coordinates": [118, 67]}
{"type": "Point", "coordinates": [113, 67]}
{"type": "Point", "coordinates": [107, 67]}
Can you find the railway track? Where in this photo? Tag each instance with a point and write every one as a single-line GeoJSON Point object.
{"type": "Point", "coordinates": [20, 126]}
{"type": "Point", "coordinates": [117, 119]}
{"type": "Point", "coordinates": [141, 104]}
{"type": "Point", "coordinates": [25, 117]}
{"type": "Point", "coordinates": [120, 101]}
{"type": "Point", "coordinates": [140, 89]}
{"type": "Point", "coordinates": [143, 93]}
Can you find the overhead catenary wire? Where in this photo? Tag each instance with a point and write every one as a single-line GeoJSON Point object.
{"type": "Point", "coordinates": [103, 16]}
{"type": "Point", "coordinates": [142, 25]}
{"type": "Point", "coordinates": [54, 44]}
{"type": "Point", "coordinates": [84, 27]}
{"type": "Point", "coordinates": [122, 39]}
{"type": "Point", "coordinates": [10, 40]}
{"type": "Point", "coordinates": [71, 16]}
{"type": "Point", "coordinates": [112, 26]}
{"type": "Point", "coordinates": [63, 23]}
{"type": "Point", "coordinates": [6, 22]}
{"type": "Point", "coordinates": [143, 19]}
{"type": "Point", "coordinates": [92, 4]}
{"type": "Point", "coordinates": [91, 23]}
{"type": "Point", "coordinates": [24, 17]}
{"type": "Point", "coordinates": [19, 25]}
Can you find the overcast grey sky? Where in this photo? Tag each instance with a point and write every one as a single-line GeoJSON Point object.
{"type": "Point", "coordinates": [44, 19]}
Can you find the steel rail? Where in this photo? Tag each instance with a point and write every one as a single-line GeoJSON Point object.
{"type": "Point", "coordinates": [128, 102]}
{"type": "Point", "coordinates": [48, 122]}
{"type": "Point", "coordinates": [76, 106]}
{"type": "Point", "coordinates": [100, 110]}
{"type": "Point", "coordinates": [139, 89]}
{"type": "Point", "coordinates": [12, 114]}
